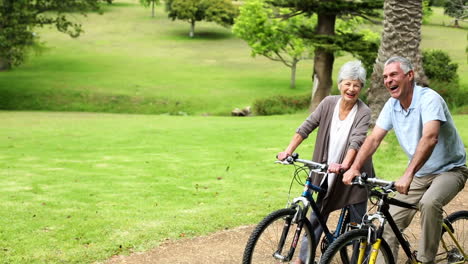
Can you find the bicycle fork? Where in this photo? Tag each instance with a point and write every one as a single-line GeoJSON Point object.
{"type": "Point", "coordinates": [297, 233]}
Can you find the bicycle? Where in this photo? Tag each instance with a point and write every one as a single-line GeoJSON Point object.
{"type": "Point", "coordinates": [276, 238]}
{"type": "Point", "coordinates": [366, 243]}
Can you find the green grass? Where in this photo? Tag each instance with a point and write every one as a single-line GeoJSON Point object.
{"type": "Point", "coordinates": [128, 62]}
{"type": "Point", "coordinates": [125, 55]}
{"type": "Point", "coordinates": [78, 187]}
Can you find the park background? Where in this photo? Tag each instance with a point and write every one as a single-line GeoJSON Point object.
{"type": "Point", "coordinates": [166, 160]}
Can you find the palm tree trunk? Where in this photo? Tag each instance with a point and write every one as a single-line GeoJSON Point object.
{"type": "Point", "coordinates": [401, 36]}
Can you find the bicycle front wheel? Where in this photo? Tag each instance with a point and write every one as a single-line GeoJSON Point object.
{"type": "Point", "coordinates": [448, 251]}
{"type": "Point", "coordinates": [274, 241]}
{"type": "Point", "coordinates": [347, 249]}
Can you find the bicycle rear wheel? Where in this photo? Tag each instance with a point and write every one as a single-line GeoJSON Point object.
{"type": "Point", "coordinates": [448, 251]}
{"type": "Point", "coordinates": [346, 249]}
{"type": "Point", "coordinates": [264, 242]}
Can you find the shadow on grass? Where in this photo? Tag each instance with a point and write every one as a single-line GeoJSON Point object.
{"type": "Point", "coordinates": [449, 25]}
{"type": "Point", "coordinates": [201, 34]}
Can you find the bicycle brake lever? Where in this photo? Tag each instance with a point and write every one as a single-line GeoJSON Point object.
{"type": "Point", "coordinates": [389, 188]}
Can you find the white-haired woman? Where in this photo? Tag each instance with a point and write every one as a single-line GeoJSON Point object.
{"type": "Point", "coordinates": [343, 121]}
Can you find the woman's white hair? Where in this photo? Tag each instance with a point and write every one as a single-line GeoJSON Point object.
{"type": "Point", "coordinates": [352, 70]}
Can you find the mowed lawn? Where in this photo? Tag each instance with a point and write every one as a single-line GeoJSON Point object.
{"type": "Point", "coordinates": [128, 62]}
{"type": "Point", "coordinates": [80, 187]}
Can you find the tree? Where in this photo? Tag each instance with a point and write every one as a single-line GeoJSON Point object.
{"type": "Point", "coordinates": [19, 18]}
{"type": "Point", "coordinates": [221, 12]}
{"type": "Point", "coordinates": [401, 36]}
{"type": "Point", "coordinates": [152, 3]}
{"type": "Point", "coordinates": [327, 40]}
{"type": "Point", "coordinates": [278, 39]}
{"type": "Point", "coordinates": [457, 9]}
{"type": "Point", "coordinates": [273, 38]}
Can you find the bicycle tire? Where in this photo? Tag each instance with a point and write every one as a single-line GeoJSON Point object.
{"type": "Point", "coordinates": [334, 253]}
{"type": "Point", "coordinates": [263, 242]}
{"type": "Point", "coordinates": [458, 223]}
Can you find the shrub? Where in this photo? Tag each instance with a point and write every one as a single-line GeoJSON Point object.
{"type": "Point", "coordinates": [442, 73]}
{"type": "Point", "coordinates": [438, 66]}
{"type": "Point", "coordinates": [280, 105]}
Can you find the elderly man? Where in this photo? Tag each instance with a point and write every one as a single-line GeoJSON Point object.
{"type": "Point", "coordinates": [436, 171]}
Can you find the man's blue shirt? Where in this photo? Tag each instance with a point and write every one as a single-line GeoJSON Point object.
{"type": "Point", "coordinates": [426, 105]}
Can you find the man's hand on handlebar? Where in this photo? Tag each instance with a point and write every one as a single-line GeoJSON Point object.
{"type": "Point", "coordinates": [403, 184]}
{"type": "Point", "coordinates": [349, 175]}
{"type": "Point", "coordinates": [282, 155]}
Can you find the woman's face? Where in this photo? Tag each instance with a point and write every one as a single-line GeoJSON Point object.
{"type": "Point", "coordinates": [349, 90]}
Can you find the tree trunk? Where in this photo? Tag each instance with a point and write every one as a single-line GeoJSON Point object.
{"type": "Point", "coordinates": [4, 64]}
{"type": "Point", "coordinates": [323, 62]}
{"type": "Point", "coordinates": [192, 28]}
{"type": "Point", "coordinates": [152, 9]}
{"type": "Point", "coordinates": [293, 73]}
{"type": "Point", "coordinates": [323, 67]}
{"type": "Point", "coordinates": [401, 36]}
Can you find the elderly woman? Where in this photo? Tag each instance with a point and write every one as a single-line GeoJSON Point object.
{"type": "Point", "coordinates": [343, 121]}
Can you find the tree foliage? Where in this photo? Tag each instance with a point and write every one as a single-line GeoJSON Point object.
{"type": "Point", "coordinates": [458, 9]}
{"type": "Point", "coordinates": [275, 39]}
{"type": "Point", "coordinates": [327, 40]}
{"type": "Point", "coordinates": [19, 18]}
{"type": "Point", "coordinates": [222, 12]}
{"type": "Point", "coordinates": [427, 11]}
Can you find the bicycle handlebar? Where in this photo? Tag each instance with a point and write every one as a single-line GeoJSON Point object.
{"type": "Point", "coordinates": [311, 164]}
{"type": "Point", "coordinates": [388, 186]}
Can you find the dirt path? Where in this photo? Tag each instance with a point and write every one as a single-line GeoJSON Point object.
{"type": "Point", "coordinates": [224, 247]}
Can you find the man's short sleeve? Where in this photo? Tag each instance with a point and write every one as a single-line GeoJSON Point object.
{"type": "Point", "coordinates": [432, 108]}
{"type": "Point", "coordinates": [385, 117]}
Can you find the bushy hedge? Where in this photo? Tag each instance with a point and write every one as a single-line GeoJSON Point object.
{"type": "Point", "coordinates": [279, 104]}
{"type": "Point", "coordinates": [443, 76]}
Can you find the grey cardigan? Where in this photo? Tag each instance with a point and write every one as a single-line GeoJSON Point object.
{"type": "Point", "coordinates": [340, 194]}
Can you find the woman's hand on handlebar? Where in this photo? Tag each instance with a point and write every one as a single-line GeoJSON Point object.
{"type": "Point", "coordinates": [336, 168]}
{"type": "Point", "coordinates": [349, 175]}
{"type": "Point", "coordinates": [282, 155]}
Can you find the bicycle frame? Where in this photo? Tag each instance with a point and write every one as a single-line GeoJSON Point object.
{"type": "Point", "coordinates": [303, 203]}
{"type": "Point", "coordinates": [384, 205]}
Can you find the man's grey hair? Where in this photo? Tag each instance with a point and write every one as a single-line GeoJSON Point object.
{"type": "Point", "coordinates": [352, 70]}
{"type": "Point", "coordinates": [405, 64]}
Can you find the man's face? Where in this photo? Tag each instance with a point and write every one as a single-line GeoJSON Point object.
{"type": "Point", "coordinates": [398, 83]}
